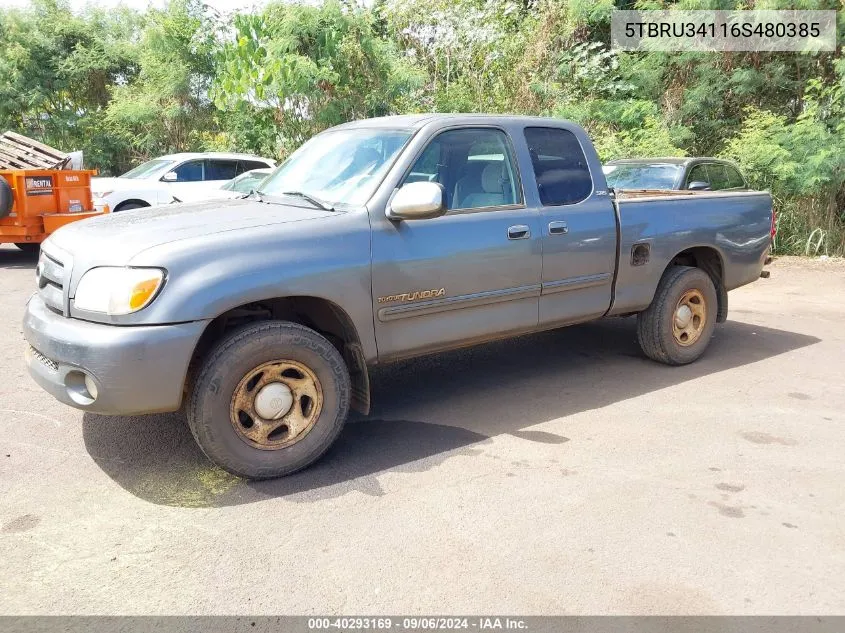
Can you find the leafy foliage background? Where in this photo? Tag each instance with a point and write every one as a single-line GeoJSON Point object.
{"type": "Point", "coordinates": [125, 85]}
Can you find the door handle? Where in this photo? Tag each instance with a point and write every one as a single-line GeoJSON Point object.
{"type": "Point", "coordinates": [558, 228]}
{"type": "Point", "coordinates": [519, 232]}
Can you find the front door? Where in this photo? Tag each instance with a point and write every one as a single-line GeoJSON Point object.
{"type": "Point", "coordinates": [470, 275]}
{"type": "Point", "coordinates": [190, 177]}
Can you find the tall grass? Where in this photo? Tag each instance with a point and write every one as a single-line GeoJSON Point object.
{"type": "Point", "coordinates": [809, 226]}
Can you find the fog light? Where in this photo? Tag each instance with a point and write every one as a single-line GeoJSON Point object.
{"type": "Point", "coordinates": [81, 387]}
{"type": "Point", "coordinates": [91, 386]}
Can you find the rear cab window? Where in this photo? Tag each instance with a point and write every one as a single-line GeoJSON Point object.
{"type": "Point", "coordinates": [642, 176]}
{"type": "Point", "coordinates": [560, 167]}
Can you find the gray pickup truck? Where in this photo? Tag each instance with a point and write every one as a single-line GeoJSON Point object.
{"type": "Point", "coordinates": [682, 174]}
{"type": "Point", "coordinates": [377, 240]}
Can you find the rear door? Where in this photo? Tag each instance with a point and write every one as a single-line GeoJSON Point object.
{"type": "Point", "coordinates": [218, 171]}
{"type": "Point", "coordinates": [578, 226]}
{"type": "Point", "coordinates": [470, 275]}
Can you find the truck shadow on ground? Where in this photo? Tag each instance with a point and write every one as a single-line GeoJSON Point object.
{"type": "Point", "coordinates": [11, 257]}
{"type": "Point", "coordinates": [428, 410]}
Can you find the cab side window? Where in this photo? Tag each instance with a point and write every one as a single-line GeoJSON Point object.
{"type": "Point", "coordinates": [475, 167]}
{"type": "Point", "coordinates": [560, 166]}
{"type": "Point", "coordinates": [428, 166]}
{"type": "Point", "coordinates": [191, 171]}
{"type": "Point", "coordinates": [218, 169]}
{"type": "Point", "coordinates": [249, 165]}
{"type": "Point", "coordinates": [699, 174]}
{"type": "Point", "coordinates": [718, 177]}
{"type": "Point", "coordinates": [735, 179]}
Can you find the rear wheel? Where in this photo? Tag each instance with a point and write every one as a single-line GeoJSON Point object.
{"type": "Point", "coordinates": [30, 248]}
{"type": "Point", "coordinates": [269, 400]}
{"type": "Point", "coordinates": [678, 325]}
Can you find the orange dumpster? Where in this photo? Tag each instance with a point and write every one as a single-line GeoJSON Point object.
{"type": "Point", "coordinates": [36, 202]}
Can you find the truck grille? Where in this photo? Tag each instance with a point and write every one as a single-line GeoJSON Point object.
{"type": "Point", "coordinates": [51, 275]}
{"type": "Point", "coordinates": [47, 362]}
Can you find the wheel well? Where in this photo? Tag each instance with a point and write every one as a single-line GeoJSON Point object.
{"type": "Point", "coordinates": [321, 315]}
{"type": "Point", "coordinates": [123, 204]}
{"type": "Point", "coordinates": [708, 260]}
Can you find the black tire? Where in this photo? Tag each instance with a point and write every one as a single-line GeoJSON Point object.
{"type": "Point", "coordinates": [7, 198]}
{"type": "Point", "coordinates": [210, 398]}
{"type": "Point", "coordinates": [130, 205]}
{"type": "Point", "coordinates": [655, 325]}
{"type": "Point", "coordinates": [30, 248]}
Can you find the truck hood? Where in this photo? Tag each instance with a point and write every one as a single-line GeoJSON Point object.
{"type": "Point", "coordinates": [114, 239]}
{"type": "Point", "coordinates": [100, 185]}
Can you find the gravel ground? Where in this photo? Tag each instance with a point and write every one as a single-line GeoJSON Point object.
{"type": "Point", "coordinates": [558, 473]}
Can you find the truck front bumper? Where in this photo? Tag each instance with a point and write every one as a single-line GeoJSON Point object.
{"type": "Point", "coordinates": [129, 369]}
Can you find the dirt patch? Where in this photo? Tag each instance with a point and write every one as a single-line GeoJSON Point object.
{"type": "Point", "coordinates": [734, 512]}
{"type": "Point", "coordinates": [731, 487]}
{"type": "Point", "coordinates": [809, 263]}
{"type": "Point", "coordinates": [23, 523]}
{"type": "Point", "coordinates": [757, 437]}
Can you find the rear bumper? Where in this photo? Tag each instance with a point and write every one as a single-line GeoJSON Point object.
{"type": "Point", "coordinates": [136, 369]}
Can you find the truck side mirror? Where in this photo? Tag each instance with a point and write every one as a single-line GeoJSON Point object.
{"type": "Point", "coordinates": [170, 177]}
{"type": "Point", "coordinates": [698, 185]}
{"type": "Point", "coordinates": [417, 201]}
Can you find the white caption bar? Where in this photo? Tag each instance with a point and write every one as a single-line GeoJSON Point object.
{"type": "Point", "coordinates": [764, 30]}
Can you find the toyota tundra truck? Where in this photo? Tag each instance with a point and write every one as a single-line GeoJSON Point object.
{"type": "Point", "coordinates": [377, 240]}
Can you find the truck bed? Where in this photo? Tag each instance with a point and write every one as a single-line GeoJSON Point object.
{"type": "Point", "coordinates": [623, 194]}
{"type": "Point", "coordinates": [665, 223]}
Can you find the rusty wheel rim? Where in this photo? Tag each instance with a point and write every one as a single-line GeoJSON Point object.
{"type": "Point", "coordinates": [276, 404]}
{"type": "Point", "coordinates": [689, 318]}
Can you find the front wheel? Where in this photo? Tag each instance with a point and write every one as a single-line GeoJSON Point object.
{"type": "Point", "coordinates": [269, 400]}
{"type": "Point", "coordinates": [678, 325]}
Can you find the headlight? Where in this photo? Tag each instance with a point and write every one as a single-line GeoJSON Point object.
{"type": "Point", "coordinates": [101, 194]}
{"type": "Point", "coordinates": [113, 290]}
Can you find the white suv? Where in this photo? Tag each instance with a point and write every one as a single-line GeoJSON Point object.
{"type": "Point", "coordinates": [173, 178]}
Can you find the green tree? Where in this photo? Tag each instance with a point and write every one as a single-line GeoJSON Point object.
{"type": "Point", "coordinates": [803, 164]}
{"type": "Point", "coordinates": [125, 85]}
{"type": "Point", "coordinates": [300, 69]}
{"type": "Point", "coordinates": [57, 69]}
{"type": "Point", "coordinates": [166, 108]}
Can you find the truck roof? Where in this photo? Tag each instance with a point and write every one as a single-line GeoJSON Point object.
{"type": "Point", "coordinates": [230, 155]}
{"type": "Point", "coordinates": [416, 121]}
{"type": "Point", "coordinates": [668, 160]}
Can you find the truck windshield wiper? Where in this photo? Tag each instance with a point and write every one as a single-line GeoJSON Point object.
{"type": "Point", "coordinates": [253, 193]}
{"type": "Point", "coordinates": [313, 200]}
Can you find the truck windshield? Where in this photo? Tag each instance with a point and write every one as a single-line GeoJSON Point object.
{"type": "Point", "coordinates": [642, 176]}
{"type": "Point", "coordinates": [340, 167]}
{"type": "Point", "coordinates": [150, 168]}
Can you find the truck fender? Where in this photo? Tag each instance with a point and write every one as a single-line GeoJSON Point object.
{"type": "Point", "coordinates": [711, 261]}
{"type": "Point", "coordinates": [317, 313]}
